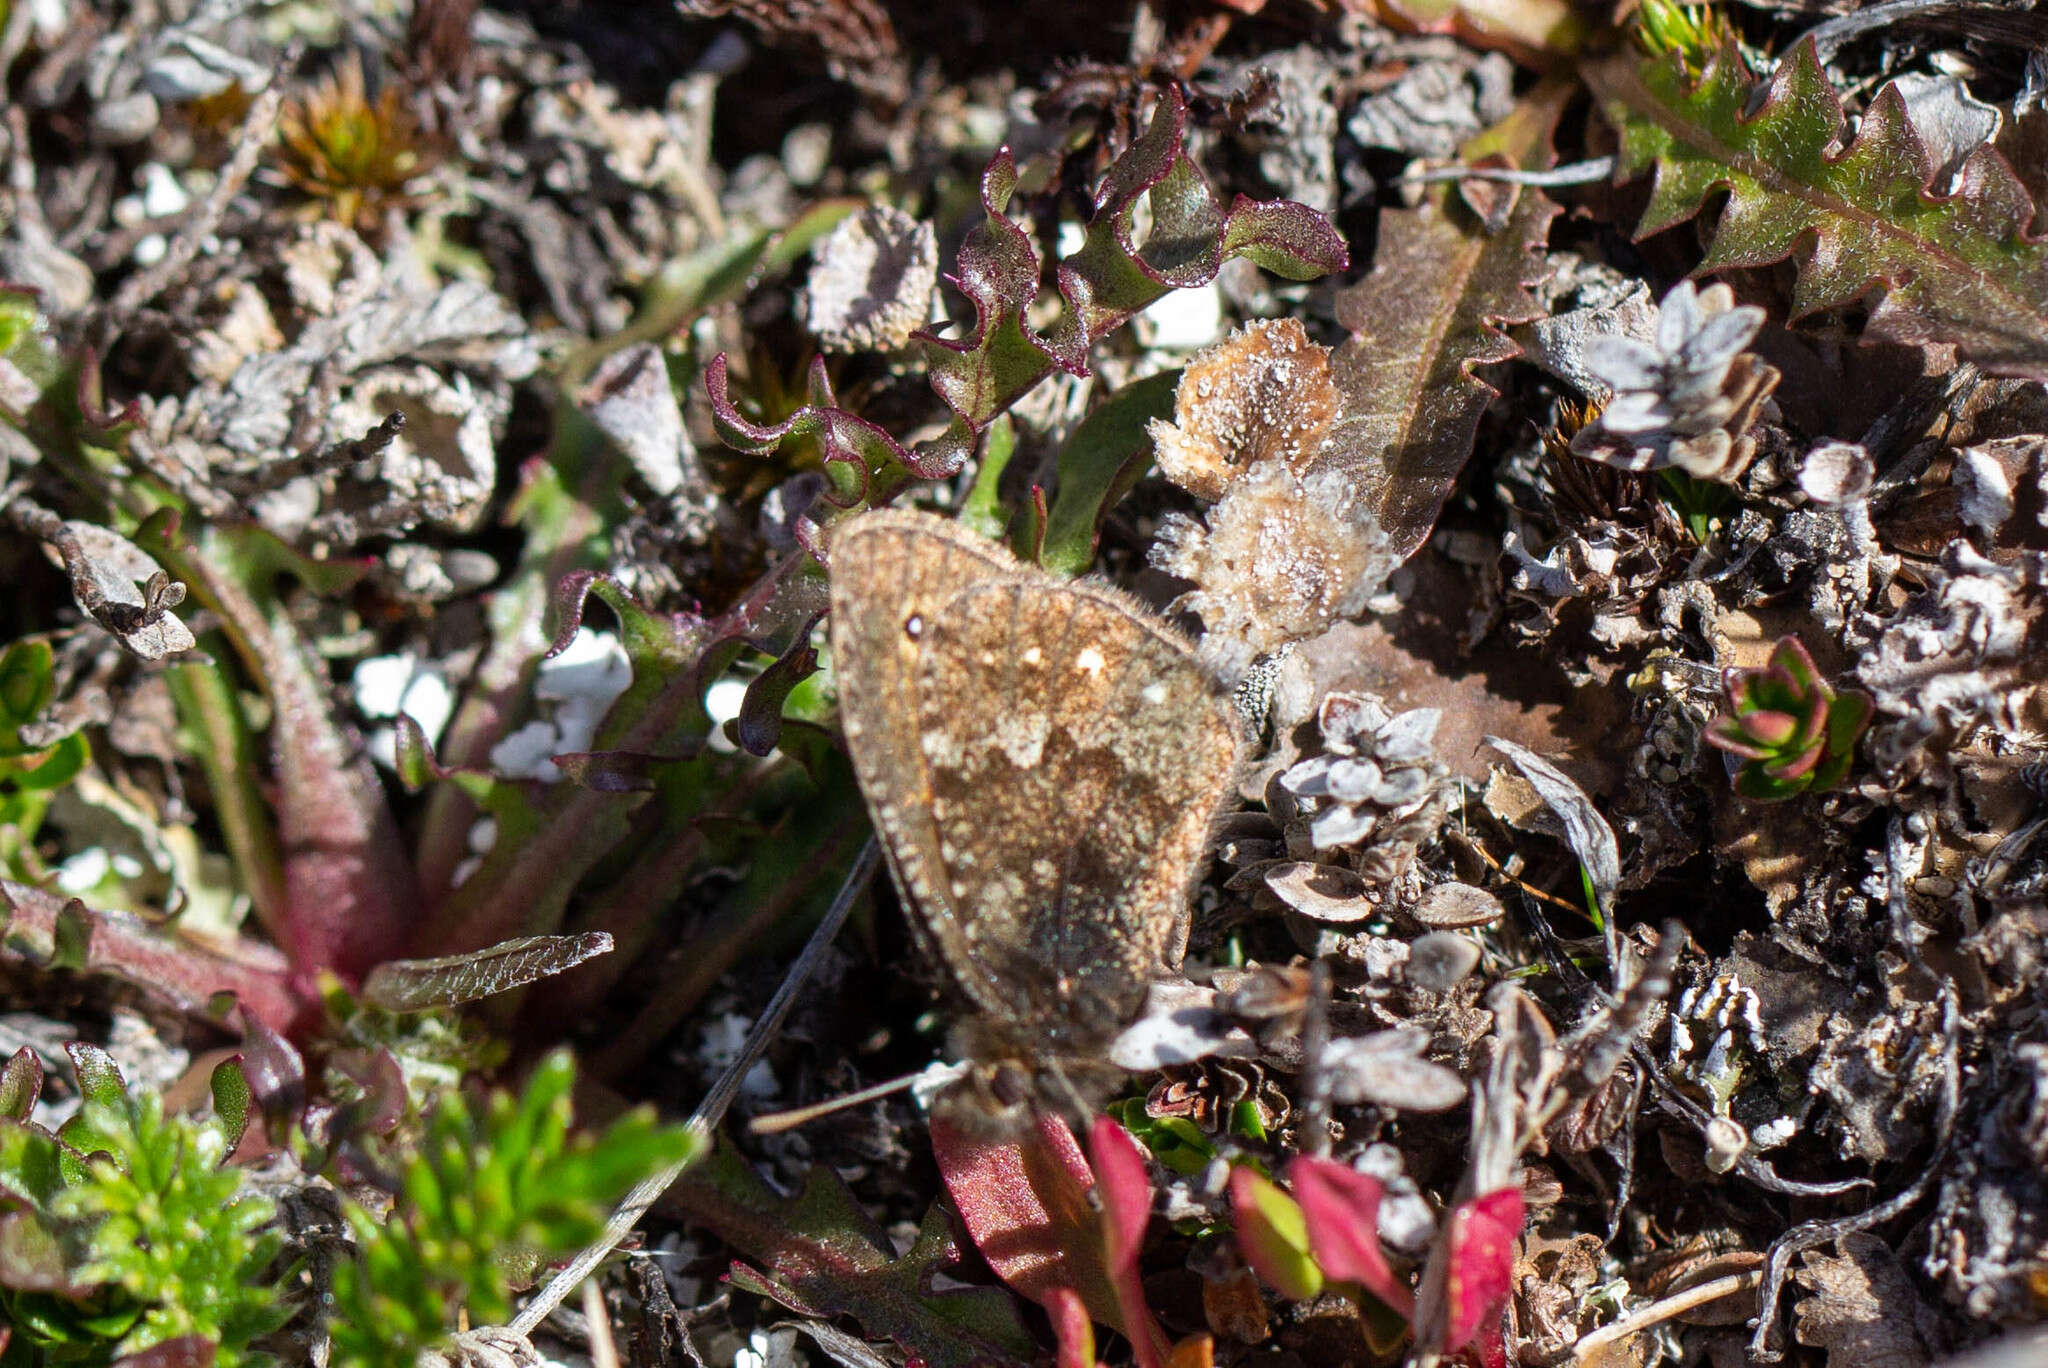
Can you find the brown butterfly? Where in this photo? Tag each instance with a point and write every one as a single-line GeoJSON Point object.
{"type": "Point", "coordinates": [1042, 759]}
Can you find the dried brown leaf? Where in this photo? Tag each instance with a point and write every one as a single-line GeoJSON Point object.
{"type": "Point", "coordinates": [1431, 312]}
{"type": "Point", "coordinates": [1861, 1308]}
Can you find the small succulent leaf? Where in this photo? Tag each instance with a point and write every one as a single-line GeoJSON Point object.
{"type": "Point", "coordinates": [99, 1077]}
{"type": "Point", "coordinates": [420, 985]}
{"type": "Point", "coordinates": [819, 1253]}
{"type": "Point", "coordinates": [1342, 1209]}
{"type": "Point", "coordinates": [1753, 783]}
{"type": "Point", "coordinates": [1796, 766]}
{"type": "Point", "coordinates": [21, 1084]}
{"type": "Point", "coordinates": [1731, 734]}
{"type": "Point", "coordinates": [1272, 1230]}
{"type": "Point", "coordinates": [231, 1101]}
{"type": "Point", "coordinates": [1791, 656]}
{"type": "Point", "coordinates": [1847, 718]}
{"type": "Point", "coordinates": [275, 1071]}
{"type": "Point", "coordinates": [1960, 267]}
{"type": "Point", "coordinates": [1432, 311]}
{"type": "Point", "coordinates": [1100, 461]}
{"type": "Point", "coordinates": [1483, 1233]}
{"type": "Point", "coordinates": [1813, 726]}
{"type": "Point", "coordinates": [31, 1165]}
{"type": "Point", "coordinates": [1768, 728]}
{"type": "Point", "coordinates": [1024, 1200]}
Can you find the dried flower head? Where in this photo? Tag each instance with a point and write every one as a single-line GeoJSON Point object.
{"type": "Point", "coordinates": [1262, 394]}
{"type": "Point", "coordinates": [1686, 400]}
{"type": "Point", "coordinates": [1280, 559]}
{"type": "Point", "coordinates": [1791, 729]}
{"type": "Point", "coordinates": [359, 157]}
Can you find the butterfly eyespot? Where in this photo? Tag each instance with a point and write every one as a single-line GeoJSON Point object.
{"type": "Point", "coordinates": [913, 626]}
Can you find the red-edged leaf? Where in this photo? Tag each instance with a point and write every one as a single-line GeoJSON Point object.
{"type": "Point", "coordinates": [1342, 1210]}
{"type": "Point", "coordinates": [820, 1254]}
{"type": "Point", "coordinates": [1024, 1201]}
{"type": "Point", "coordinates": [180, 973]}
{"type": "Point", "coordinates": [1862, 214]}
{"type": "Point", "coordinates": [1125, 1187]}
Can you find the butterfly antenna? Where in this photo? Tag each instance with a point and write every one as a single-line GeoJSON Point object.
{"type": "Point", "coordinates": [711, 1110]}
{"type": "Point", "coordinates": [775, 1123]}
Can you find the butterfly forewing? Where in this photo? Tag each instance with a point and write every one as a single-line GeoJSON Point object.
{"type": "Point", "coordinates": [1076, 754]}
{"type": "Point", "coordinates": [892, 573]}
{"type": "Point", "coordinates": [1042, 760]}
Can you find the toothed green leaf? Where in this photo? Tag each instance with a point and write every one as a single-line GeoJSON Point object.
{"type": "Point", "coordinates": [1862, 214]}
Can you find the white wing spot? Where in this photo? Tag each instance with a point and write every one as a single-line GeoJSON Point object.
{"type": "Point", "coordinates": [1033, 656]}
{"type": "Point", "coordinates": [1089, 661]}
{"type": "Point", "coordinates": [1154, 693]}
{"type": "Point", "coordinates": [913, 626]}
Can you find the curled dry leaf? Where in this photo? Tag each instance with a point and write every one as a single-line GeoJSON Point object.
{"type": "Point", "coordinates": [1387, 1068]}
{"type": "Point", "coordinates": [1326, 893]}
{"type": "Point", "coordinates": [1450, 906]}
{"type": "Point", "coordinates": [117, 585]}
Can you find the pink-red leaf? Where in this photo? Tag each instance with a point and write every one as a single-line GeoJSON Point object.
{"type": "Point", "coordinates": [1342, 1209]}
{"type": "Point", "coordinates": [1024, 1201]}
{"type": "Point", "coordinates": [1481, 1237]}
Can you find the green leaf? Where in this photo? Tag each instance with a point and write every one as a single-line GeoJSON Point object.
{"type": "Point", "coordinates": [1101, 460]}
{"type": "Point", "coordinates": [56, 766]}
{"type": "Point", "coordinates": [484, 1193]}
{"type": "Point", "coordinates": [99, 1077]}
{"type": "Point", "coordinates": [25, 682]}
{"type": "Point", "coordinates": [21, 1083]}
{"type": "Point", "coordinates": [231, 1099]}
{"type": "Point", "coordinates": [1862, 215]}
{"type": "Point", "coordinates": [1273, 1233]}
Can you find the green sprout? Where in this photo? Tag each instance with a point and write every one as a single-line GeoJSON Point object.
{"type": "Point", "coordinates": [1791, 729]}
